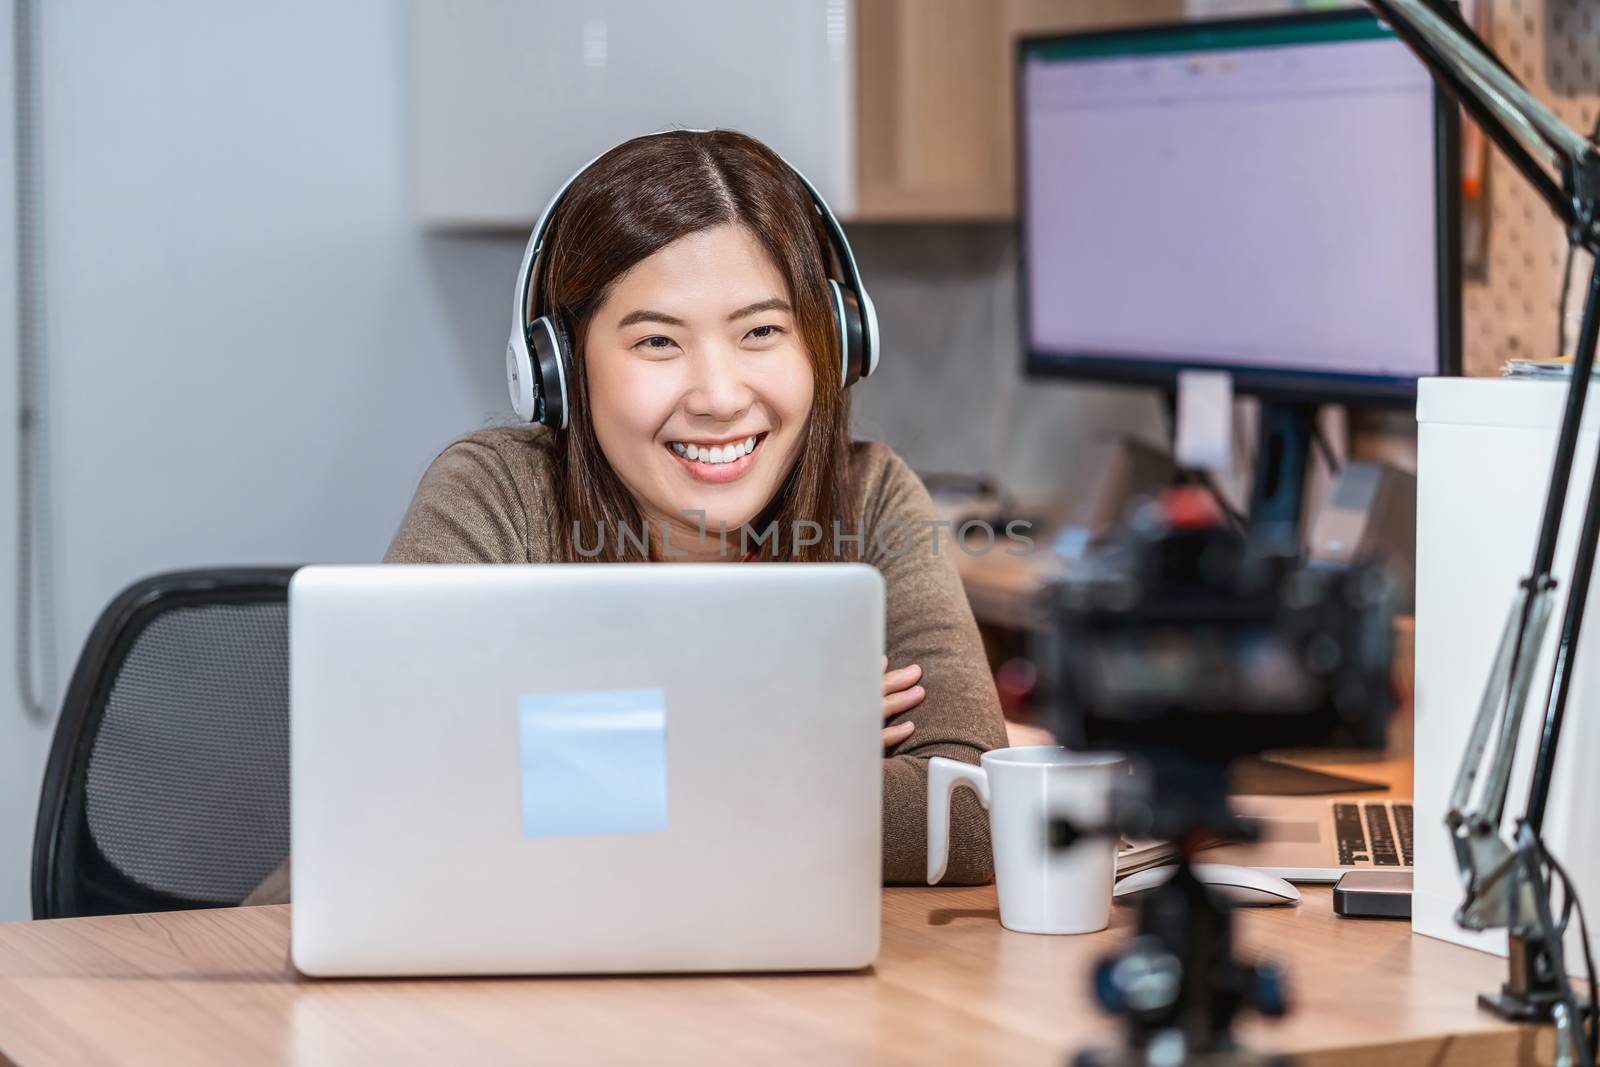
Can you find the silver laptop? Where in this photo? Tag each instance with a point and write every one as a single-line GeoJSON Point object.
{"type": "Point", "coordinates": [585, 768]}
{"type": "Point", "coordinates": [1318, 839]}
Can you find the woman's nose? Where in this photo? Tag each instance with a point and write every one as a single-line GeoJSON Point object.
{"type": "Point", "coordinates": [719, 390]}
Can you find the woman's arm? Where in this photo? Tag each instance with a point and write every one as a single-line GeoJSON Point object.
{"type": "Point", "coordinates": [927, 622]}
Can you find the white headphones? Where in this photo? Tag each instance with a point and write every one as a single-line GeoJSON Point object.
{"type": "Point", "coordinates": [539, 354]}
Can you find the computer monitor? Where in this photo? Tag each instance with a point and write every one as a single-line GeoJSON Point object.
{"type": "Point", "coordinates": [1272, 197]}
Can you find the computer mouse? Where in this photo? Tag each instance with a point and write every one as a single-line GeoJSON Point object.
{"type": "Point", "coordinates": [1243, 886]}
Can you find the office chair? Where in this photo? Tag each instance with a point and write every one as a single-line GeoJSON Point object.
{"type": "Point", "coordinates": [167, 786]}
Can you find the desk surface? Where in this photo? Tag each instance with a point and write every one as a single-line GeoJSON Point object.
{"type": "Point", "coordinates": [950, 986]}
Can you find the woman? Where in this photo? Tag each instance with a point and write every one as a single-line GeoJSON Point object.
{"type": "Point", "coordinates": [706, 421]}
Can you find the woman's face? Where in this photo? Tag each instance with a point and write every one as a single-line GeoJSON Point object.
{"type": "Point", "coordinates": [700, 386]}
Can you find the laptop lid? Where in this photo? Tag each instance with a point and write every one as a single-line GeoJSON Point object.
{"type": "Point", "coordinates": [585, 768]}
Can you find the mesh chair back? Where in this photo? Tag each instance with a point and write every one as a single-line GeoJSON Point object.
{"type": "Point", "coordinates": [168, 781]}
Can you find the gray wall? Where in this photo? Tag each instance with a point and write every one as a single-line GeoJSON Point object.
{"type": "Point", "coordinates": [254, 353]}
{"type": "Point", "coordinates": [949, 394]}
{"type": "Point", "coordinates": [20, 746]}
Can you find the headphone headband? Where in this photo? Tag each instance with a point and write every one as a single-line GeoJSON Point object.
{"type": "Point", "coordinates": [530, 255]}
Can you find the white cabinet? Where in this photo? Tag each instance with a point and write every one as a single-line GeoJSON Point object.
{"type": "Point", "coordinates": [1484, 448]}
{"type": "Point", "coordinates": [508, 97]}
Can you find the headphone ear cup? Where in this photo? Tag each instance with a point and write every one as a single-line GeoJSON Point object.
{"type": "Point", "coordinates": [852, 342]}
{"type": "Point", "coordinates": [547, 340]}
{"type": "Point", "coordinates": [869, 334]}
{"type": "Point", "coordinates": [522, 379]}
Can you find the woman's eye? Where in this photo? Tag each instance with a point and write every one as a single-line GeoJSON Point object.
{"type": "Point", "coordinates": [655, 344]}
{"type": "Point", "coordinates": [762, 333]}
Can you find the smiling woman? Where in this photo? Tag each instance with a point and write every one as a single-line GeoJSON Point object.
{"type": "Point", "coordinates": [692, 270]}
{"type": "Point", "coordinates": [703, 416]}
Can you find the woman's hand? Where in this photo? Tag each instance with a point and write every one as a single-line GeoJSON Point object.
{"type": "Point", "coordinates": [900, 693]}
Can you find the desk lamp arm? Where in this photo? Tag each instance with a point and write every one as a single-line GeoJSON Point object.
{"type": "Point", "coordinates": [1504, 883]}
{"type": "Point", "coordinates": [1532, 136]}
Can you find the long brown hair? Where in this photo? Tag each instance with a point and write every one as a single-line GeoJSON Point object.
{"type": "Point", "coordinates": [633, 201]}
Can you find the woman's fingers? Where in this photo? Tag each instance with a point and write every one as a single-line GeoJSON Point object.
{"type": "Point", "coordinates": [900, 694]}
{"type": "Point", "coordinates": [905, 700]}
{"type": "Point", "coordinates": [904, 678]}
{"type": "Point", "coordinates": [893, 735]}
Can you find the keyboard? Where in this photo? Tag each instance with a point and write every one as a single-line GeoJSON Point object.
{"type": "Point", "coordinates": [1373, 835]}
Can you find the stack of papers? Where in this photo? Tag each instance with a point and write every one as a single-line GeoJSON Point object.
{"type": "Point", "coordinates": [1559, 369]}
{"type": "Point", "coordinates": [1140, 854]}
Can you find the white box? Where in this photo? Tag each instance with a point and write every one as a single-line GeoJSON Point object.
{"type": "Point", "coordinates": [1484, 452]}
{"type": "Point", "coordinates": [509, 97]}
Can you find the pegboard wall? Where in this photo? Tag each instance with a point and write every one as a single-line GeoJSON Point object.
{"type": "Point", "coordinates": [1553, 46]}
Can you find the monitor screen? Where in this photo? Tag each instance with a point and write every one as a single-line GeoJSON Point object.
{"type": "Point", "coordinates": [1272, 197]}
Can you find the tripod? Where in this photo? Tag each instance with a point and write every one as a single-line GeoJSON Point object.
{"type": "Point", "coordinates": [1180, 986]}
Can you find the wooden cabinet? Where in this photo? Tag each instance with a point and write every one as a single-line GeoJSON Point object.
{"type": "Point", "coordinates": [930, 105]}
{"type": "Point", "coordinates": [934, 122]}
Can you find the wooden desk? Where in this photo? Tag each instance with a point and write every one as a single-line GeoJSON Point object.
{"type": "Point", "coordinates": [951, 986]}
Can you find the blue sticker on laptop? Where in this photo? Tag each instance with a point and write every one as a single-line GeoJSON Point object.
{"type": "Point", "coordinates": [594, 761]}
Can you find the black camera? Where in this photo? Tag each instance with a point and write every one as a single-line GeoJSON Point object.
{"type": "Point", "coordinates": [1181, 638]}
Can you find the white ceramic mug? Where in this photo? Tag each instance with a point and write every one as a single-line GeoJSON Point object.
{"type": "Point", "coordinates": [1042, 890]}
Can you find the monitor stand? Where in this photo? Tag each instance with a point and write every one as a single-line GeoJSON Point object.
{"type": "Point", "coordinates": [1278, 489]}
{"type": "Point", "coordinates": [1284, 433]}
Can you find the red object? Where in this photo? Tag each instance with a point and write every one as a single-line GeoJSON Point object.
{"type": "Point", "coordinates": [1189, 507]}
{"type": "Point", "coordinates": [1014, 682]}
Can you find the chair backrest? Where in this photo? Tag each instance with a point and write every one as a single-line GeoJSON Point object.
{"type": "Point", "coordinates": [168, 780]}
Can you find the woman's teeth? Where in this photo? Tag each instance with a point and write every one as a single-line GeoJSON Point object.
{"type": "Point", "coordinates": [716, 453]}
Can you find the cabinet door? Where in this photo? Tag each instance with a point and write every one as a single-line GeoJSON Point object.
{"type": "Point", "coordinates": [934, 121]}
{"type": "Point", "coordinates": [930, 102]}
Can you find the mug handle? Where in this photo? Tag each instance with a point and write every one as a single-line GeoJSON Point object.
{"type": "Point", "coordinates": [944, 776]}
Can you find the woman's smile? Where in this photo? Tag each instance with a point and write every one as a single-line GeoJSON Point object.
{"type": "Point", "coordinates": [717, 461]}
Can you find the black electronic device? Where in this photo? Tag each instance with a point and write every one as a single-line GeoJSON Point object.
{"type": "Point", "coordinates": [1373, 895]}
{"type": "Point", "coordinates": [1187, 637]}
{"type": "Point", "coordinates": [1274, 197]}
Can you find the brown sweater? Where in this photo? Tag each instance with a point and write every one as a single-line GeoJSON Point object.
{"type": "Point", "coordinates": [487, 498]}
